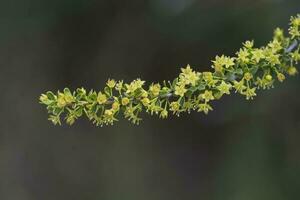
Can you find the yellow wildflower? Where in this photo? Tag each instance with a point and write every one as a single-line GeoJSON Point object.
{"type": "Point", "coordinates": [101, 98]}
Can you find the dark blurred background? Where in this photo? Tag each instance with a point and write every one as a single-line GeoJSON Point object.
{"type": "Point", "coordinates": [243, 150]}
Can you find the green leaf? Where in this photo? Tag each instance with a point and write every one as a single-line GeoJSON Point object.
{"type": "Point", "coordinates": [78, 112]}
{"type": "Point", "coordinates": [67, 91]}
{"type": "Point", "coordinates": [50, 95]}
{"type": "Point", "coordinates": [174, 83]}
{"type": "Point", "coordinates": [238, 71]}
{"type": "Point", "coordinates": [253, 70]}
{"type": "Point", "coordinates": [107, 91]}
{"type": "Point", "coordinates": [201, 87]}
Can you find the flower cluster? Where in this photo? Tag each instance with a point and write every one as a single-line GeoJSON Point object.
{"type": "Point", "coordinates": [251, 69]}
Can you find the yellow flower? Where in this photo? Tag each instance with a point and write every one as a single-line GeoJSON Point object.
{"type": "Point", "coordinates": [43, 98]}
{"type": "Point", "coordinates": [115, 106]}
{"type": "Point", "coordinates": [278, 33]}
{"type": "Point", "coordinates": [101, 99]}
{"type": "Point", "coordinates": [273, 59]}
{"type": "Point", "coordinates": [192, 78]}
{"type": "Point", "coordinates": [257, 55]}
{"type": "Point", "coordinates": [209, 79]}
{"type": "Point", "coordinates": [119, 85]}
{"type": "Point", "coordinates": [134, 85]}
{"type": "Point", "coordinates": [108, 113]}
{"type": "Point", "coordinates": [180, 90]}
{"type": "Point", "coordinates": [248, 44]}
{"type": "Point", "coordinates": [69, 98]}
{"type": "Point", "coordinates": [294, 29]}
{"type": "Point", "coordinates": [186, 70]}
{"type": "Point", "coordinates": [296, 56]}
{"type": "Point", "coordinates": [294, 32]}
{"type": "Point", "coordinates": [111, 83]}
{"type": "Point", "coordinates": [204, 107]}
{"type": "Point", "coordinates": [188, 76]}
{"type": "Point", "coordinates": [224, 88]}
{"type": "Point", "coordinates": [145, 101]}
{"type": "Point", "coordinates": [275, 45]}
{"type": "Point", "coordinates": [292, 71]}
{"type": "Point", "coordinates": [61, 102]}
{"type": "Point", "coordinates": [250, 93]}
{"type": "Point", "coordinates": [248, 76]}
{"type": "Point", "coordinates": [163, 114]}
{"type": "Point", "coordinates": [155, 89]}
{"type": "Point", "coordinates": [219, 62]}
{"type": "Point", "coordinates": [295, 21]}
{"type": "Point", "coordinates": [174, 106]}
{"type": "Point", "coordinates": [239, 86]}
{"type": "Point", "coordinates": [125, 101]}
{"type": "Point", "coordinates": [228, 62]}
{"type": "Point", "coordinates": [144, 93]}
{"type": "Point", "coordinates": [243, 55]}
{"type": "Point", "coordinates": [268, 77]}
{"type": "Point", "coordinates": [207, 96]}
{"type": "Point", "coordinates": [280, 77]}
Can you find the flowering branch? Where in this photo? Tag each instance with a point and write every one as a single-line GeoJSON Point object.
{"type": "Point", "coordinates": [251, 69]}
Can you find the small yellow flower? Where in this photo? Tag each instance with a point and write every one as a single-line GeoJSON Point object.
{"type": "Point", "coordinates": [70, 120]}
{"type": "Point", "coordinates": [278, 33]}
{"type": "Point", "coordinates": [275, 45]}
{"type": "Point", "coordinates": [228, 62]}
{"type": "Point", "coordinates": [268, 77]}
{"type": "Point", "coordinates": [224, 88]}
{"type": "Point", "coordinates": [295, 21]}
{"type": "Point", "coordinates": [296, 56]}
{"type": "Point", "coordinates": [248, 44]}
{"type": "Point", "coordinates": [144, 93]}
{"type": "Point", "coordinates": [207, 76]}
{"type": "Point", "coordinates": [155, 89]}
{"type": "Point", "coordinates": [145, 101]}
{"type": "Point", "coordinates": [163, 114]}
{"type": "Point", "coordinates": [192, 78]}
{"type": "Point", "coordinates": [43, 98]}
{"type": "Point", "coordinates": [180, 90]}
{"type": "Point", "coordinates": [115, 106]}
{"type": "Point", "coordinates": [239, 86]}
{"type": "Point", "coordinates": [61, 102]}
{"type": "Point", "coordinates": [257, 55]}
{"type": "Point", "coordinates": [294, 32]}
{"type": "Point", "coordinates": [174, 106]}
{"type": "Point", "coordinates": [273, 59]}
{"type": "Point", "coordinates": [207, 96]}
{"type": "Point", "coordinates": [125, 101]}
{"type": "Point", "coordinates": [108, 113]}
{"type": "Point", "coordinates": [221, 61]}
{"type": "Point", "coordinates": [250, 93]}
{"type": "Point", "coordinates": [248, 76]}
{"type": "Point", "coordinates": [101, 99]}
{"type": "Point", "coordinates": [188, 76]}
{"type": "Point", "coordinates": [204, 107]}
{"type": "Point", "coordinates": [243, 55]}
{"type": "Point", "coordinates": [134, 85]}
{"type": "Point", "coordinates": [186, 70]}
{"type": "Point", "coordinates": [119, 86]}
{"type": "Point", "coordinates": [209, 79]}
{"type": "Point", "coordinates": [69, 98]}
{"type": "Point", "coordinates": [280, 77]}
{"type": "Point", "coordinates": [292, 71]}
{"type": "Point", "coordinates": [218, 63]}
{"type": "Point", "coordinates": [111, 83]}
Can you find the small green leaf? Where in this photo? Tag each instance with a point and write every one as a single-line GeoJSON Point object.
{"type": "Point", "coordinates": [50, 95]}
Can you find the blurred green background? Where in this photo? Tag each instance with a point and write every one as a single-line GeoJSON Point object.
{"type": "Point", "coordinates": [243, 150]}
